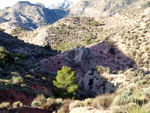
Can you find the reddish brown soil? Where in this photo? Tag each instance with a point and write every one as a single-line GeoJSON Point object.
{"type": "Point", "coordinates": [12, 96]}
{"type": "Point", "coordinates": [26, 110]}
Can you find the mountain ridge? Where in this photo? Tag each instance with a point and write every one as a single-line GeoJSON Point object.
{"type": "Point", "coordinates": [30, 16]}
{"type": "Point", "coordinates": [105, 46]}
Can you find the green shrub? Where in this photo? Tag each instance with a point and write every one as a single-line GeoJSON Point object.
{"type": "Point", "coordinates": [136, 109]}
{"type": "Point", "coordinates": [102, 101]}
{"type": "Point", "coordinates": [4, 105]}
{"type": "Point", "coordinates": [146, 108]}
{"type": "Point", "coordinates": [101, 70]}
{"type": "Point", "coordinates": [51, 104]}
{"type": "Point", "coordinates": [146, 93]}
{"type": "Point", "coordinates": [65, 84]}
{"type": "Point", "coordinates": [40, 98]}
{"type": "Point", "coordinates": [5, 56]}
{"type": "Point", "coordinates": [125, 98]}
{"type": "Point", "coordinates": [17, 104]}
{"type": "Point", "coordinates": [1, 29]}
{"type": "Point", "coordinates": [87, 41]}
{"type": "Point", "coordinates": [94, 23]}
{"type": "Point", "coordinates": [22, 57]}
{"type": "Point", "coordinates": [17, 79]}
{"type": "Point", "coordinates": [65, 107]}
{"type": "Point", "coordinates": [36, 104]}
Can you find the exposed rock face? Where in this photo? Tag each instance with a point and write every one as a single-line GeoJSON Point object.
{"type": "Point", "coordinates": [94, 84]}
{"type": "Point", "coordinates": [94, 8]}
{"type": "Point", "coordinates": [42, 38]}
{"type": "Point", "coordinates": [77, 55]}
{"type": "Point", "coordinates": [65, 5]}
{"type": "Point", "coordinates": [87, 110]}
{"type": "Point", "coordinates": [82, 60]}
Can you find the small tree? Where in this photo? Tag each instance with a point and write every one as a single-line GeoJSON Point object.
{"type": "Point", "coordinates": [5, 56]}
{"type": "Point", "coordinates": [65, 84]}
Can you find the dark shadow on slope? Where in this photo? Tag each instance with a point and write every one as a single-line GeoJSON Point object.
{"type": "Point", "coordinates": [32, 79]}
{"type": "Point", "coordinates": [84, 60]}
{"type": "Point", "coordinates": [53, 15]}
{"type": "Point", "coordinates": [29, 110]}
{"type": "Point", "coordinates": [32, 52]}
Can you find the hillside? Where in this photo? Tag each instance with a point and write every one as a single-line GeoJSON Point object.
{"type": "Point", "coordinates": [65, 5]}
{"type": "Point", "coordinates": [107, 7]}
{"type": "Point", "coordinates": [29, 16]}
{"type": "Point", "coordinates": [106, 45]}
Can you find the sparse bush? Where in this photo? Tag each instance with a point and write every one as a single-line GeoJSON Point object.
{"type": "Point", "coordinates": [36, 104]}
{"type": "Point", "coordinates": [40, 98]}
{"type": "Point", "coordinates": [50, 103]}
{"type": "Point", "coordinates": [17, 104]}
{"type": "Point", "coordinates": [4, 105]}
{"type": "Point", "coordinates": [65, 84]}
{"type": "Point", "coordinates": [88, 101]}
{"type": "Point", "coordinates": [65, 107]}
{"type": "Point", "coordinates": [94, 23]}
{"type": "Point", "coordinates": [101, 70]}
{"type": "Point", "coordinates": [22, 57]}
{"type": "Point", "coordinates": [120, 72]}
{"type": "Point", "coordinates": [135, 109]}
{"type": "Point", "coordinates": [114, 72]}
{"type": "Point", "coordinates": [1, 29]}
{"type": "Point", "coordinates": [87, 41]}
{"type": "Point", "coordinates": [146, 93]}
{"type": "Point", "coordinates": [125, 98]}
{"type": "Point", "coordinates": [17, 79]}
{"type": "Point", "coordinates": [5, 56]}
{"type": "Point", "coordinates": [134, 73]}
{"type": "Point", "coordinates": [146, 108]}
{"type": "Point", "coordinates": [79, 104]}
{"type": "Point", "coordinates": [127, 108]}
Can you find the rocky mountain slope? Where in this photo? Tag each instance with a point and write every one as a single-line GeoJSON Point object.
{"type": "Point", "coordinates": [106, 7]}
{"type": "Point", "coordinates": [29, 16]}
{"type": "Point", "coordinates": [65, 5]}
{"type": "Point", "coordinates": [109, 55]}
{"type": "Point", "coordinates": [20, 79]}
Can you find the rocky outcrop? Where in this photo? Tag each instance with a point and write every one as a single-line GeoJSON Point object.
{"type": "Point", "coordinates": [94, 8]}
{"type": "Point", "coordinates": [88, 110]}
{"type": "Point", "coordinates": [84, 61]}
{"type": "Point", "coordinates": [94, 84]}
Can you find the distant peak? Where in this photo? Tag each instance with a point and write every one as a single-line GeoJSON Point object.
{"type": "Point", "coordinates": [28, 3]}
{"type": "Point", "coordinates": [24, 2]}
{"type": "Point", "coordinates": [40, 4]}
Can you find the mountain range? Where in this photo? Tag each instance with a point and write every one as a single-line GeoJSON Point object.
{"type": "Point", "coordinates": [65, 5]}
{"type": "Point", "coordinates": [29, 16]}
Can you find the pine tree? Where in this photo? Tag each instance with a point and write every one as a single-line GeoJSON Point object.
{"type": "Point", "coordinates": [65, 84]}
